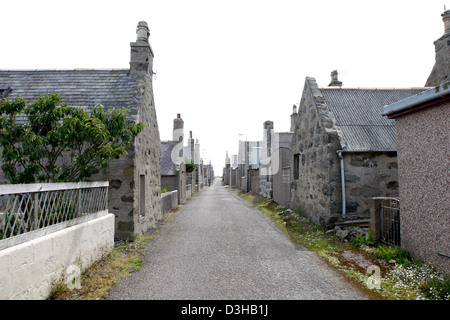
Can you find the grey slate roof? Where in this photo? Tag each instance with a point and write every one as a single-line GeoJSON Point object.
{"type": "Point", "coordinates": [167, 166]}
{"type": "Point", "coordinates": [78, 88]}
{"type": "Point", "coordinates": [358, 116]}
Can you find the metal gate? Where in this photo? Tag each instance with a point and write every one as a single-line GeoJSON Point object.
{"type": "Point", "coordinates": [390, 222]}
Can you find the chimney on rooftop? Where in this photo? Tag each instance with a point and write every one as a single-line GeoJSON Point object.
{"type": "Point", "coordinates": [441, 70]}
{"type": "Point", "coordinates": [178, 128]}
{"type": "Point", "coordinates": [293, 117]}
{"type": "Point", "coordinates": [141, 61]}
{"type": "Point", "coordinates": [446, 18]}
{"type": "Point", "coordinates": [334, 79]}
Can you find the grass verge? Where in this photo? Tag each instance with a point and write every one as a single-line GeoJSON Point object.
{"type": "Point", "coordinates": [397, 275]}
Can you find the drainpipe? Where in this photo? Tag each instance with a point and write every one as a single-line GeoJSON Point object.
{"type": "Point", "coordinates": [341, 157]}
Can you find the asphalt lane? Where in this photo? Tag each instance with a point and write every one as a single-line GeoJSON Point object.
{"type": "Point", "coordinates": [219, 247]}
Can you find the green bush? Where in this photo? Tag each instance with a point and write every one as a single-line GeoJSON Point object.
{"type": "Point", "coordinates": [357, 242]}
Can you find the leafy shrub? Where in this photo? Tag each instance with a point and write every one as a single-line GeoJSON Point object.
{"type": "Point", "coordinates": [387, 253]}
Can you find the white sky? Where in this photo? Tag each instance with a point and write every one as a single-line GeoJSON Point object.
{"type": "Point", "coordinates": [228, 66]}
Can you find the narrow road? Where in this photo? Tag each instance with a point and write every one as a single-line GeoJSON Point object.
{"type": "Point", "coordinates": [217, 246]}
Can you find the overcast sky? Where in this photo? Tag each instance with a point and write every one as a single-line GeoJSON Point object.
{"type": "Point", "coordinates": [228, 66]}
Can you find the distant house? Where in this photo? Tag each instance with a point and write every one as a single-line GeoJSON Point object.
{"type": "Point", "coordinates": [275, 164]}
{"type": "Point", "coordinates": [343, 151]}
{"type": "Point", "coordinates": [173, 166]}
{"type": "Point", "coordinates": [208, 174]}
{"type": "Point", "coordinates": [247, 164]}
{"type": "Point", "coordinates": [135, 180]}
{"type": "Point", "coordinates": [423, 142]}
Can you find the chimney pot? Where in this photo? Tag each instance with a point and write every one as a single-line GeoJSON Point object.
{"type": "Point", "coordinates": [142, 31]}
{"type": "Point", "coordinates": [141, 55]}
{"type": "Point", "coordinates": [334, 79]}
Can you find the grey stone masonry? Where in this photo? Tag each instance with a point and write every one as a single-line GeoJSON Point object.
{"type": "Point", "coordinates": [334, 122]}
{"type": "Point", "coordinates": [441, 69]}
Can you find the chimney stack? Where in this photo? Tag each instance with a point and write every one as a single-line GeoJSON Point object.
{"type": "Point", "coordinates": [441, 69]}
{"type": "Point", "coordinates": [293, 117]}
{"type": "Point", "coordinates": [446, 18]}
{"type": "Point", "coordinates": [334, 79]}
{"type": "Point", "coordinates": [141, 61]}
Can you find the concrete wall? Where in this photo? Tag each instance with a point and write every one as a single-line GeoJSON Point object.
{"type": "Point", "coordinates": [169, 201]}
{"type": "Point", "coordinates": [28, 270]}
{"type": "Point", "coordinates": [423, 157]}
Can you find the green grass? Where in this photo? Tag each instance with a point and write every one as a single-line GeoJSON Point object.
{"type": "Point", "coordinates": [125, 258]}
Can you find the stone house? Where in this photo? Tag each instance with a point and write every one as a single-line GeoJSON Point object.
{"type": "Point", "coordinates": [343, 151]}
{"type": "Point", "coordinates": [422, 124]}
{"type": "Point", "coordinates": [134, 179]}
{"type": "Point", "coordinates": [441, 70]}
{"type": "Point", "coordinates": [173, 167]}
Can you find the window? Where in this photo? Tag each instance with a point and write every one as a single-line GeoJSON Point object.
{"type": "Point", "coordinates": [296, 166]}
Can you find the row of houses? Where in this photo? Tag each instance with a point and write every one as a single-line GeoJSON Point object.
{"type": "Point", "coordinates": [137, 179]}
{"type": "Point", "coordinates": [182, 167]}
{"type": "Point", "coordinates": [347, 146]}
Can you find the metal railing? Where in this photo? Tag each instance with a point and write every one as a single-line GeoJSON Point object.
{"type": "Point", "coordinates": [29, 207]}
{"type": "Point", "coordinates": [390, 221]}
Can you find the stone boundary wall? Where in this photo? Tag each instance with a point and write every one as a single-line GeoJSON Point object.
{"type": "Point", "coordinates": [28, 270]}
{"type": "Point", "coordinates": [169, 200]}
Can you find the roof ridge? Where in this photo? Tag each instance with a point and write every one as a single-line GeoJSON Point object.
{"type": "Point", "coordinates": [375, 88]}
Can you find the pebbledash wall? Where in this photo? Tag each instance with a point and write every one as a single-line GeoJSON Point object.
{"type": "Point", "coordinates": [423, 153]}
{"type": "Point", "coordinates": [29, 270]}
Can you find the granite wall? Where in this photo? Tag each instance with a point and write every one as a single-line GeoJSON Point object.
{"type": "Point", "coordinates": [316, 188]}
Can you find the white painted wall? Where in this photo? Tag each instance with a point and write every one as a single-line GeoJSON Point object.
{"type": "Point", "coordinates": [27, 270]}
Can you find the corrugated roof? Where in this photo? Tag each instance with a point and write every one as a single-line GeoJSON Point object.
{"type": "Point", "coordinates": [78, 88]}
{"type": "Point", "coordinates": [358, 116]}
